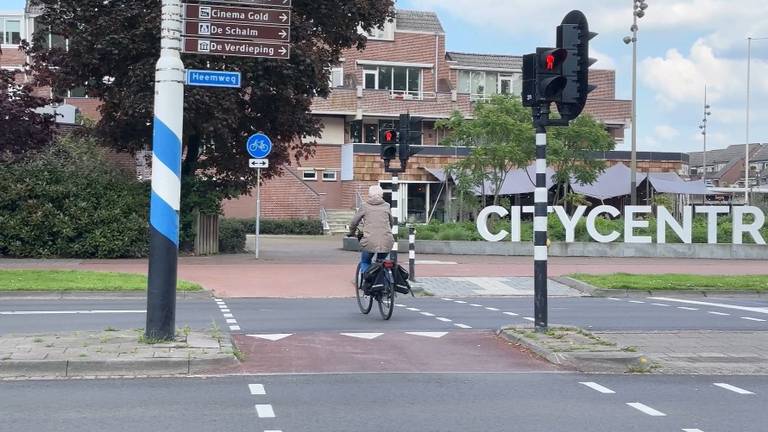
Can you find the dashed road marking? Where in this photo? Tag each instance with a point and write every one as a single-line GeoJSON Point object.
{"type": "Point", "coordinates": [226, 310]}
{"type": "Point", "coordinates": [529, 319]}
{"type": "Point", "coordinates": [492, 309]}
{"type": "Point", "coordinates": [265, 411]}
{"type": "Point", "coordinates": [399, 305]}
{"type": "Point", "coordinates": [722, 305]}
{"type": "Point", "coordinates": [734, 388]}
{"type": "Point", "coordinates": [753, 319]}
{"type": "Point", "coordinates": [511, 314]}
{"type": "Point", "coordinates": [613, 298]}
{"type": "Point", "coordinates": [598, 387]}
{"type": "Point", "coordinates": [231, 321]}
{"type": "Point", "coordinates": [660, 304]}
{"type": "Point", "coordinates": [476, 305]}
{"type": "Point", "coordinates": [234, 327]}
{"type": "Point", "coordinates": [718, 313]}
{"type": "Point", "coordinates": [646, 409]}
{"type": "Point", "coordinates": [271, 337]}
{"type": "Point", "coordinates": [460, 302]}
{"type": "Point", "coordinates": [444, 319]}
{"type": "Point", "coordinates": [687, 308]}
{"type": "Point", "coordinates": [229, 315]}
{"type": "Point", "coordinates": [257, 389]}
{"type": "Point", "coordinates": [692, 430]}
{"type": "Point", "coordinates": [414, 309]}
{"type": "Point", "coordinates": [637, 301]}
{"type": "Point", "coordinates": [447, 299]}
{"type": "Point", "coordinates": [464, 326]}
{"type": "Point", "coordinates": [427, 314]}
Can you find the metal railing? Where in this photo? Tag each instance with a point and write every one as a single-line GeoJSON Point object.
{"type": "Point", "coordinates": [358, 201]}
{"type": "Point", "coordinates": [324, 219]}
{"type": "Point", "coordinates": [410, 95]}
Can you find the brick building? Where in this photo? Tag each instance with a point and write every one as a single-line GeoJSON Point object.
{"type": "Point", "coordinates": [406, 68]}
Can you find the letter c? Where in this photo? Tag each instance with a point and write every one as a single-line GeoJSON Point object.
{"type": "Point", "coordinates": [482, 223]}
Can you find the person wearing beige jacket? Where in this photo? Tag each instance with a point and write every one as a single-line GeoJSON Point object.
{"type": "Point", "coordinates": [376, 218]}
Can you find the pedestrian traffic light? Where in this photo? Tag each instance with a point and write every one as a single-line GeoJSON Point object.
{"type": "Point", "coordinates": [573, 35]}
{"type": "Point", "coordinates": [389, 141]}
{"type": "Point", "coordinates": [543, 80]}
{"type": "Point", "coordinates": [410, 134]}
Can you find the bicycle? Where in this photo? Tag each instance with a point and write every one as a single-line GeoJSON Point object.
{"type": "Point", "coordinates": [383, 294]}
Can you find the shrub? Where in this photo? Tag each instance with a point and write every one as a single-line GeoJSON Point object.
{"type": "Point", "coordinates": [231, 236]}
{"type": "Point", "coordinates": [283, 226]}
{"type": "Point", "coordinates": [68, 201]}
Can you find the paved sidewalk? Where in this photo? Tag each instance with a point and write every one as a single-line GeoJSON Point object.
{"type": "Point", "coordinates": [700, 352]}
{"type": "Point", "coordinates": [490, 286]}
{"type": "Point", "coordinates": [111, 353]}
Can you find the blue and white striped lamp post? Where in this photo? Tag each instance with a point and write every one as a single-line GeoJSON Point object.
{"type": "Point", "coordinates": [166, 177]}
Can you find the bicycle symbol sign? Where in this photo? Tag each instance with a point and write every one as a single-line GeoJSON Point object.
{"type": "Point", "coordinates": [259, 146]}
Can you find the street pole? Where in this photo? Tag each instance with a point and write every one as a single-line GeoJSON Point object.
{"type": "Point", "coordinates": [746, 157]}
{"type": "Point", "coordinates": [395, 217]}
{"type": "Point", "coordinates": [412, 253]}
{"type": "Point", "coordinates": [633, 163]}
{"type": "Point", "coordinates": [166, 178]}
{"type": "Point", "coordinates": [258, 210]}
{"type": "Point", "coordinates": [540, 222]}
{"type": "Point", "coordinates": [706, 113]}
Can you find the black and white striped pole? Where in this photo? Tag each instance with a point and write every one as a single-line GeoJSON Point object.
{"type": "Point", "coordinates": [412, 253]}
{"type": "Point", "coordinates": [540, 223]}
{"type": "Point", "coordinates": [395, 218]}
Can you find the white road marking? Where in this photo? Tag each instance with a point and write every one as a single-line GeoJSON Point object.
{"type": "Point", "coordinates": [475, 305]}
{"type": "Point", "coordinates": [613, 298]}
{"type": "Point", "coordinates": [226, 310]}
{"type": "Point", "coordinates": [753, 319]}
{"type": "Point", "coordinates": [464, 326]}
{"type": "Point", "coordinates": [637, 301]}
{"type": "Point", "coordinates": [427, 314]}
{"type": "Point", "coordinates": [265, 411]}
{"type": "Point", "coordinates": [692, 430]}
{"type": "Point", "coordinates": [687, 308]}
{"type": "Point", "coordinates": [460, 302]}
{"type": "Point", "coordinates": [414, 309]}
{"type": "Point", "coordinates": [511, 314]}
{"type": "Point", "coordinates": [718, 313]}
{"type": "Point", "coordinates": [529, 319]}
{"type": "Point", "coordinates": [217, 299]}
{"type": "Point", "coordinates": [430, 262]}
{"type": "Point", "coordinates": [734, 389]}
{"type": "Point", "coordinates": [257, 389]}
{"type": "Point", "coordinates": [73, 312]}
{"type": "Point", "coordinates": [444, 319]}
{"type": "Point", "coordinates": [660, 304]}
{"type": "Point", "coordinates": [492, 309]}
{"type": "Point", "coordinates": [231, 321]}
{"type": "Point", "coordinates": [229, 315]}
{"type": "Point", "coordinates": [598, 387]}
{"type": "Point", "coordinates": [234, 328]}
{"type": "Point", "coordinates": [722, 305]}
{"type": "Point", "coordinates": [447, 299]}
{"type": "Point", "coordinates": [434, 335]}
{"type": "Point", "coordinates": [271, 337]}
{"type": "Point", "coordinates": [222, 306]}
{"type": "Point", "coordinates": [367, 336]}
{"type": "Point", "coordinates": [646, 409]}
{"type": "Point", "coordinates": [399, 305]}
{"type": "Point", "coordinates": [273, 430]}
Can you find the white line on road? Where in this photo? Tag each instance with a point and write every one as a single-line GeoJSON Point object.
{"type": "Point", "coordinates": [427, 314]}
{"type": "Point", "coordinates": [529, 319]}
{"type": "Point", "coordinates": [414, 309]}
{"type": "Point", "coordinates": [511, 314]}
{"type": "Point", "coordinates": [444, 319]}
{"type": "Point", "coordinates": [460, 302]}
{"type": "Point", "coordinates": [72, 312]}
{"type": "Point", "coordinates": [231, 321]}
{"type": "Point", "coordinates": [687, 308]}
{"type": "Point", "coordinates": [399, 305]}
{"type": "Point", "coordinates": [722, 305]}
{"type": "Point", "coordinates": [234, 327]}
{"type": "Point", "coordinates": [734, 389]}
{"type": "Point", "coordinates": [492, 309]}
{"type": "Point", "coordinates": [434, 335]}
{"type": "Point", "coordinates": [646, 409]}
{"type": "Point", "coordinates": [226, 310]}
{"type": "Point", "coordinates": [367, 336]}
{"type": "Point", "coordinates": [598, 387]}
{"type": "Point", "coordinates": [753, 319]}
{"type": "Point", "coordinates": [660, 304]}
{"type": "Point", "coordinates": [257, 389]}
{"type": "Point", "coordinates": [229, 315]}
{"type": "Point", "coordinates": [464, 326]}
{"type": "Point", "coordinates": [476, 305]}
{"type": "Point", "coordinates": [613, 298]}
{"type": "Point", "coordinates": [271, 337]}
{"type": "Point", "coordinates": [637, 301]}
{"type": "Point", "coordinates": [718, 313]}
{"type": "Point", "coordinates": [692, 430]}
{"type": "Point", "coordinates": [265, 411]}
{"type": "Point", "coordinates": [447, 299]}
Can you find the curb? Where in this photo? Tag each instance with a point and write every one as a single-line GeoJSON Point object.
{"type": "Point", "coordinates": [80, 368]}
{"type": "Point", "coordinates": [594, 291]}
{"type": "Point", "coordinates": [591, 362]}
{"type": "Point", "coordinates": [95, 295]}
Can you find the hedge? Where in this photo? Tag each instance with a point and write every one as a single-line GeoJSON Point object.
{"type": "Point", "coordinates": [232, 232]}
{"type": "Point", "coordinates": [69, 202]}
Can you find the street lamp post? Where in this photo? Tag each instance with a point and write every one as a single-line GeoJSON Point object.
{"type": "Point", "coordinates": [746, 150]}
{"type": "Point", "coordinates": [703, 127]}
{"type": "Point", "coordinates": [639, 7]}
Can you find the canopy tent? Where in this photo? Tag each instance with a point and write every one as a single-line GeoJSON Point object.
{"type": "Point", "coordinates": [437, 173]}
{"type": "Point", "coordinates": [518, 181]}
{"type": "Point", "coordinates": [613, 182]}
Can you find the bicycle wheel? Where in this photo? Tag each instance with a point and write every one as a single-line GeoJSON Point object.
{"type": "Point", "coordinates": [364, 302]}
{"type": "Point", "coordinates": [387, 299]}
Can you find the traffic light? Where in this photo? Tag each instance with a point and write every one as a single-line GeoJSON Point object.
{"type": "Point", "coordinates": [573, 35]}
{"type": "Point", "coordinates": [389, 141]}
{"type": "Point", "coordinates": [543, 80]}
{"type": "Point", "coordinates": [410, 134]}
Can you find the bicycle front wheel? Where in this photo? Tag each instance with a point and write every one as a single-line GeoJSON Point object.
{"type": "Point", "coordinates": [387, 300]}
{"type": "Point", "coordinates": [364, 302]}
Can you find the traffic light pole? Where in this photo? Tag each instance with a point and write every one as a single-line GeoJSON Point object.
{"type": "Point", "coordinates": [395, 218]}
{"type": "Point", "coordinates": [541, 195]}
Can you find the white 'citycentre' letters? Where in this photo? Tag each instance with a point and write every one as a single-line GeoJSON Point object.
{"type": "Point", "coordinates": [684, 231]}
{"type": "Point", "coordinates": [482, 223]}
{"type": "Point", "coordinates": [569, 223]}
{"type": "Point", "coordinates": [739, 227]}
{"type": "Point", "coordinates": [592, 229]}
{"type": "Point", "coordinates": [630, 224]}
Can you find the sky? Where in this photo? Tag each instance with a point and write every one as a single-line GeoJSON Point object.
{"type": "Point", "coordinates": [683, 45]}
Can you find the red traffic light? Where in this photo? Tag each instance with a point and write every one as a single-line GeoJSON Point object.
{"type": "Point", "coordinates": [553, 58]}
{"type": "Point", "coordinates": [389, 136]}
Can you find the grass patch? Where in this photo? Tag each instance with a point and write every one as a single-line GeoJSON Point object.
{"type": "Point", "coordinates": [661, 282]}
{"type": "Point", "coordinates": [77, 280]}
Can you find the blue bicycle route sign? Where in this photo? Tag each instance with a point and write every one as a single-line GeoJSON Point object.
{"type": "Point", "coordinates": [259, 146]}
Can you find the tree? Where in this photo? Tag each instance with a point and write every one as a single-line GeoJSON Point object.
{"type": "Point", "coordinates": [23, 128]}
{"type": "Point", "coordinates": [501, 136]}
{"type": "Point", "coordinates": [111, 51]}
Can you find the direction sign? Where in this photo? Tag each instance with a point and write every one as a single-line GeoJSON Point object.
{"type": "Point", "coordinates": [258, 163]}
{"type": "Point", "coordinates": [236, 31]}
{"type": "Point", "coordinates": [245, 15]}
{"type": "Point", "coordinates": [259, 146]}
{"type": "Point", "coordinates": [237, 48]}
{"type": "Point", "coordinates": [275, 3]}
{"type": "Point", "coordinates": [206, 78]}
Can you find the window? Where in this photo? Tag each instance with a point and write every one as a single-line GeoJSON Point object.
{"type": "Point", "coordinates": [402, 80]}
{"type": "Point", "coordinates": [337, 77]}
{"type": "Point", "coordinates": [329, 176]}
{"type": "Point", "coordinates": [506, 85]}
{"type": "Point", "coordinates": [371, 133]}
{"type": "Point", "coordinates": [10, 31]}
{"type": "Point", "coordinates": [77, 92]}
{"type": "Point", "coordinates": [371, 78]}
{"type": "Point", "coordinates": [309, 174]}
{"type": "Point", "coordinates": [356, 132]}
{"type": "Point", "coordinates": [387, 32]}
{"type": "Point", "coordinates": [479, 84]}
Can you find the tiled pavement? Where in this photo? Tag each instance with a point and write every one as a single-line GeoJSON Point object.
{"type": "Point", "coordinates": [490, 286]}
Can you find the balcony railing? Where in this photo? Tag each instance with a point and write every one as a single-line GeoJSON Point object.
{"type": "Point", "coordinates": [406, 95]}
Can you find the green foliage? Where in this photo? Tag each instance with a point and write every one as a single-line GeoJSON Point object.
{"type": "Point", "coordinates": [232, 232]}
{"type": "Point", "coordinates": [663, 200]}
{"type": "Point", "coordinates": [231, 236]}
{"type": "Point", "coordinates": [69, 202]}
{"type": "Point", "coordinates": [291, 226]}
{"type": "Point", "coordinates": [77, 280]}
{"type": "Point", "coordinates": [651, 282]}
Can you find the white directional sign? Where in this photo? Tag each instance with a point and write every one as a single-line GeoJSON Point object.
{"type": "Point", "coordinates": [258, 163]}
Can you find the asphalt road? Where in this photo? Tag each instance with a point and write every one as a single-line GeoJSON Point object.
{"type": "Point", "coordinates": [531, 402]}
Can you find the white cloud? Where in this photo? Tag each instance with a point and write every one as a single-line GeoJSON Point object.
{"type": "Point", "coordinates": [604, 61]}
{"type": "Point", "coordinates": [666, 132]}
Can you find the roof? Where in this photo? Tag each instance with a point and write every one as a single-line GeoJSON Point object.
{"type": "Point", "coordinates": [486, 61]}
{"type": "Point", "coordinates": [760, 155]}
{"type": "Point", "coordinates": [719, 156]}
{"type": "Point", "coordinates": [419, 21]}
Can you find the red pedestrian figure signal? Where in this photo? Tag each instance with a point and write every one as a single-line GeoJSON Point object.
{"type": "Point", "coordinates": [550, 62]}
{"type": "Point", "coordinates": [389, 136]}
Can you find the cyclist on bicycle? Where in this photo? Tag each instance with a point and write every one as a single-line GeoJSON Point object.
{"type": "Point", "coordinates": [376, 218]}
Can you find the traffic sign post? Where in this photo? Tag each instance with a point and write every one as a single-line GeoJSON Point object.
{"type": "Point", "coordinates": [205, 78]}
{"type": "Point", "coordinates": [259, 146]}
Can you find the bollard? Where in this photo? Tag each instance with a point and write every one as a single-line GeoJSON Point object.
{"type": "Point", "coordinates": [412, 253]}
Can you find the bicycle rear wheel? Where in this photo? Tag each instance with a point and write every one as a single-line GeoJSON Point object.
{"type": "Point", "coordinates": [387, 300]}
{"type": "Point", "coordinates": [364, 302]}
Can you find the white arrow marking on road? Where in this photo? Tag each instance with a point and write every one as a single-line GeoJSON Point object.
{"type": "Point", "coordinates": [646, 409]}
{"type": "Point", "coordinates": [271, 337]}
{"type": "Point", "coordinates": [722, 305]}
{"type": "Point", "coordinates": [598, 387]}
{"type": "Point", "coordinates": [257, 389]}
{"type": "Point", "coordinates": [435, 335]}
{"type": "Point", "coordinates": [368, 336]}
{"type": "Point", "coordinates": [734, 389]}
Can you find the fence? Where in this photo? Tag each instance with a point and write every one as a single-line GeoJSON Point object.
{"type": "Point", "coordinates": [206, 234]}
